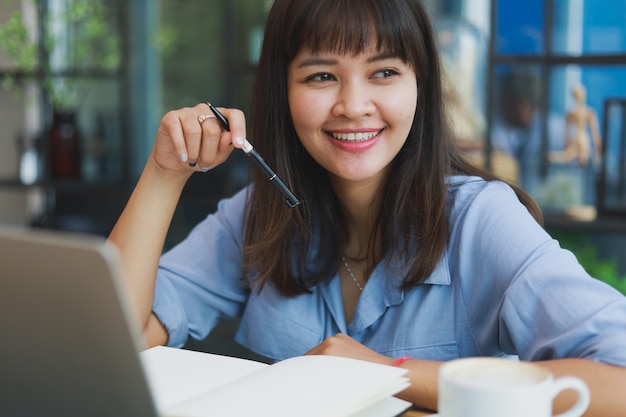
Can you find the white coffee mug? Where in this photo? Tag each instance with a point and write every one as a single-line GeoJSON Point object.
{"type": "Point", "coordinates": [497, 387]}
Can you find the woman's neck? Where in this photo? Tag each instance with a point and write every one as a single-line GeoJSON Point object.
{"type": "Point", "coordinates": [361, 205]}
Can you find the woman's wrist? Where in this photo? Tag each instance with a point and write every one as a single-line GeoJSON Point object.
{"type": "Point", "coordinates": [400, 361]}
{"type": "Point", "coordinates": [171, 178]}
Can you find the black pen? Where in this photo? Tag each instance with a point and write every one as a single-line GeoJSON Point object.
{"type": "Point", "coordinates": [249, 150]}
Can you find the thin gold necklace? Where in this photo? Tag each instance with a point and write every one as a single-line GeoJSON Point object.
{"type": "Point", "coordinates": [356, 282]}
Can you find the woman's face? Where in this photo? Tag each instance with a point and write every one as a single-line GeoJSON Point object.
{"type": "Point", "coordinates": [352, 113]}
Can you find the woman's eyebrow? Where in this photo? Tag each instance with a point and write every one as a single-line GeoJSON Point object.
{"type": "Point", "coordinates": [313, 61]}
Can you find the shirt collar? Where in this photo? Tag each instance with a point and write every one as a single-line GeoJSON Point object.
{"type": "Point", "coordinates": [382, 292]}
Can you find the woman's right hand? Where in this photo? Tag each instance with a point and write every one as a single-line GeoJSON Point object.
{"type": "Point", "coordinates": [140, 232]}
{"type": "Point", "coordinates": [186, 143]}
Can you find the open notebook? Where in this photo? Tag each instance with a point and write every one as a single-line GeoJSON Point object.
{"type": "Point", "coordinates": [70, 347]}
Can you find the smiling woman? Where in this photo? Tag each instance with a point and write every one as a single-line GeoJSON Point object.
{"type": "Point", "coordinates": [363, 112]}
{"type": "Point", "coordinates": [399, 248]}
{"type": "Point", "coordinates": [400, 33]}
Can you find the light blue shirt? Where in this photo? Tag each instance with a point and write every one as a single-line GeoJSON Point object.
{"type": "Point", "coordinates": [503, 287]}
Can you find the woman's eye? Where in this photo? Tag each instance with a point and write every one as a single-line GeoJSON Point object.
{"type": "Point", "coordinates": [386, 73]}
{"type": "Point", "coordinates": [322, 76]}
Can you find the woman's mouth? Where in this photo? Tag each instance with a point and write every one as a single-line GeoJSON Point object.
{"type": "Point", "coordinates": [355, 136]}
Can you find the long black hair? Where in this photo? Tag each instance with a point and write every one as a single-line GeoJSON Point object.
{"type": "Point", "coordinates": [412, 221]}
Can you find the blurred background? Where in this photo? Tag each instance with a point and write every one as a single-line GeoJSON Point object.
{"type": "Point", "coordinates": [536, 93]}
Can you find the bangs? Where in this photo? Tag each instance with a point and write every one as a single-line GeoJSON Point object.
{"type": "Point", "coordinates": [350, 26]}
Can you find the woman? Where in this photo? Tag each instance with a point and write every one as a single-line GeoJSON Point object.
{"type": "Point", "coordinates": [398, 249]}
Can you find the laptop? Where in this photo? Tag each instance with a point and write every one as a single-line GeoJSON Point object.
{"type": "Point", "coordinates": [70, 347]}
{"type": "Point", "coordinates": [69, 339]}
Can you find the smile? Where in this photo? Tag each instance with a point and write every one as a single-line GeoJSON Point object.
{"type": "Point", "coordinates": [355, 137]}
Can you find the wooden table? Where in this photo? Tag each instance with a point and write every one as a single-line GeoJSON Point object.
{"type": "Point", "coordinates": [417, 413]}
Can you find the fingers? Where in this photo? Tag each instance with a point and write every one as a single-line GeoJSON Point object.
{"type": "Point", "coordinates": [193, 138]}
{"type": "Point", "coordinates": [192, 133]}
{"type": "Point", "coordinates": [237, 124]}
{"type": "Point", "coordinates": [207, 149]}
{"type": "Point", "coordinates": [231, 133]}
{"type": "Point", "coordinates": [332, 345]}
{"type": "Point", "coordinates": [344, 345]}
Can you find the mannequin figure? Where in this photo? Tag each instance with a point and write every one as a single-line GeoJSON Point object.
{"type": "Point", "coordinates": [578, 122]}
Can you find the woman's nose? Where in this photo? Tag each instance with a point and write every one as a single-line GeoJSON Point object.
{"type": "Point", "coordinates": [354, 101]}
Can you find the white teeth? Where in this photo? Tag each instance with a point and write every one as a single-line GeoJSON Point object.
{"type": "Point", "coordinates": [354, 137]}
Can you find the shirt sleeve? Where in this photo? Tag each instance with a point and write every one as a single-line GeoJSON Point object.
{"type": "Point", "coordinates": [524, 294]}
{"type": "Point", "coordinates": [200, 279]}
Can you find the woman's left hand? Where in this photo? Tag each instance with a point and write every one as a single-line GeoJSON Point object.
{"type": "Point", "coordinates": [343, 345]}
{"type": "Point", "coordinates": [423, 389]}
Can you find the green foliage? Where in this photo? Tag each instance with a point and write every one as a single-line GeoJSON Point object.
{"type": "Point", "coordinates": [606, 270]}
{"type": "Point", "coordinates": [80, 35]}
{"type": "Point", "coordinates": [82, 31]}
{"type": "Point", "coordinates": [14, 40]}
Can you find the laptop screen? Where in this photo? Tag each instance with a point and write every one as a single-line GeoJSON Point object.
{"type": "Point", "coordinates": [70, 342]}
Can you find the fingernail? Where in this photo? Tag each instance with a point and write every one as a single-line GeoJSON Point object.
{"type": "Point", "coordinates": [204, 169]}
{"type": "Point", "coordinates": [239, 141]}
{"type": "Point", "coordinates": [247, 146]}
{"type": "Point", "coordinates": [183, 157]}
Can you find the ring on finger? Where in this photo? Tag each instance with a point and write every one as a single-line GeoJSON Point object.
{"type": "Point", "coordinates": [203, 117]}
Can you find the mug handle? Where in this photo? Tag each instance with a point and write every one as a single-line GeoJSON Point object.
{"type": "Point", "coordinates": [577, 384]}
